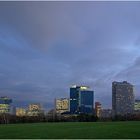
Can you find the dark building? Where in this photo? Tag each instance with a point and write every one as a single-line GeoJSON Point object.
{"type": "Point", "coordinates": [86, 101]}
{"type": "Point", "coordinates": [5, 100]}
{"type": "Point", "coordinates": [122, 98]}
{"type": "Point", "coordinates": [74, 99]}
{"type": "Point", "coordinates": [106, 113]}
{"type": "Point", "coordinates": [81, 100]}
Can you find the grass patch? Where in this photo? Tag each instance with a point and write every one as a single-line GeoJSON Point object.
{"type": "Point", "coordinates": [71, 130]}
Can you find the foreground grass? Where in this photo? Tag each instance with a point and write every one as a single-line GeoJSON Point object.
{"type": "Point", "coordinates": [71, 130]}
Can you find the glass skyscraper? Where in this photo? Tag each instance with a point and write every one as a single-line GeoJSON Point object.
{"type": "Point", "coordinates": [74, 99]}
{"type": "Point", "coordinates": [86, 101]}
{"type": "Point", "coordinates": [81, 100]}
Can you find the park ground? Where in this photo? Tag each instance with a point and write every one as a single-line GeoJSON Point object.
{"type": "Point", "coordinates": [71, 130]}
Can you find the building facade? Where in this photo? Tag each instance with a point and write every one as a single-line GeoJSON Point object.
{"type": "Point", "coordinates": [5, 105]}
{"type": "Point", "coordinates": [98, 108]}
{"type": "Point", "coordinates": [35, 110]}
{"type": "Point", "coordinates": [86, 101]}
{"type": "Point", "coordinates": [122, 98]}
{"type": "Point", "coordinates": [74, 99]}
{"type": "Point", "coordinates": [20, 112]}
{"type": "Point", "coordinates": [62, 105]}
{"type": "Point", "coordinates": [81, 100]}
{"type": "Point", "coordinates": [137, 105]}
{"type": "Point", "coordinates": [106, 113]}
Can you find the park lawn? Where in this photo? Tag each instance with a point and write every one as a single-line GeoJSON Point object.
{"type": "Point", "coordinates": [71, 130]}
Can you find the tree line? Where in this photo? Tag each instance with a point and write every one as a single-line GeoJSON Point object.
{"type": "Point", "coordinates": [9, 119]}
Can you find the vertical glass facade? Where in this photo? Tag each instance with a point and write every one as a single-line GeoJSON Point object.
{"type": "Point", "coordinates": [86, 102]}
{"type": "Point", "coordinates": [74, 97]}
{"type": "Point", "coordinates": [81, 100]}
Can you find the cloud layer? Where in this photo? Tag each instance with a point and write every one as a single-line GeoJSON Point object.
{"type": "Point", "coordinates": [47, 46]}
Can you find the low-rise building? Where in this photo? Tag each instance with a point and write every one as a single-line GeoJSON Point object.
{"type": "Point", "coordinates": [137, 105]}
{"type": "Point", "coordinates": [62, 105]}
{"type": "Point", "coordinates": [98, 108]}
{"type": "Point", "coordinates": [20, 112]}
{"type": "Point", "coordinates": [35, 110]}
{"type": "Point", "coordinates": [106, 113]}
{"type": "Point", "coordinates": [5, 105]}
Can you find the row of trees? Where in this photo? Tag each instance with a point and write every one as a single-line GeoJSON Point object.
{"type": "Point", "coordinates": [6, 118]}
{"type": "Point", "coordinates": [73, 118]}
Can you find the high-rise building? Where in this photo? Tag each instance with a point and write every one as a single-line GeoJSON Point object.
{"type": "Point", "coordinates": [86, 102]}
{"type": "Point", "coordinates": [122, 98]}
{"type": "Point", "coordinates": [137, 105]}
{"type": "Point", "coordinates": [20, 112]}
{"type": "Point", "coordinates": [5, 105]}
{"type": "Point", "coordinates": [62, 105]}
{"type": "Point", "coordinates": [81, 100]}
{"type": "Point", "coordinates": [74, 99]}
{"type": "Point", "coordinates": [98, 108]}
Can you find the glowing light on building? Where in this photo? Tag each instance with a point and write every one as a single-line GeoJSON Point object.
{"type": "Point", "coordinates": [98, 108]}
{"type": "Point", "coordinates": [5, 105]}
{"type": "Point", "coordinates": [34, 110]}
{"type": "Point", "coordinates": [137, 105]}
{"type": "Point", "coordinates": [62, 105]}
{"type": "Point", "coordinates": [20, 112]}
{"type": "Point", "coordinates": [83, 87]}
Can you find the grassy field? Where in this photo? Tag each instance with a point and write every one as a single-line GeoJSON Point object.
{"type": "Point", "coordinates": [72, 130]}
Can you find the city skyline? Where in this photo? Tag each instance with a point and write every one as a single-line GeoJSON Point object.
{"type": "Point", "coordinates": [83, 95]}
{"type": "Point", "coordinates": [47, 46]}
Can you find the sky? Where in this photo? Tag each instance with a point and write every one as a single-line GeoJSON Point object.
{"type": "Point", "coordinates": [45, 47]}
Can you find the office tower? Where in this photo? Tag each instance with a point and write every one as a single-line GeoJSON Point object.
{"type": "Point", "coordinates": [98, 108]}
{"type": "Point", "coordinates": [35, 110]}
{"type": "Point", "coordinates": [122, 98]}
{"type": "Point", "coordinates": [74, 99]}
{"type": "Point", "coordinates": [137, 105]}
{"type": "Point", "coordinates": [20, 112]}
{"type": "Point", "coordinates": [61, 105]}
{"type": "Point", "coordinates": [5, 105]}
{"type": "Point", "coordinates": [81, 100]}
{"type": "Point", "coordinates": [86, 102]}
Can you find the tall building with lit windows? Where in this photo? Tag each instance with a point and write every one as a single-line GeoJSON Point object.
{"type": "Point", "coordinates": [81, 100]}
{"type": "Point", "coordinates": [5, 105]}
{"type": "Point", "coordinates": [122, 98]}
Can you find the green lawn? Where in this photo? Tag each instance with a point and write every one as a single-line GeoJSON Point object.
{"type": "Point", "coordinates": [72, 130]}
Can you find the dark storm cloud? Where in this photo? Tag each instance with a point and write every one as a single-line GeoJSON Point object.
{"type": "Point", "coordinates": [47, 46]}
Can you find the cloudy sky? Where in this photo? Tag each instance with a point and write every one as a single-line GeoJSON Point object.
{"type": "Point", "coordinates": [45, 47]}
